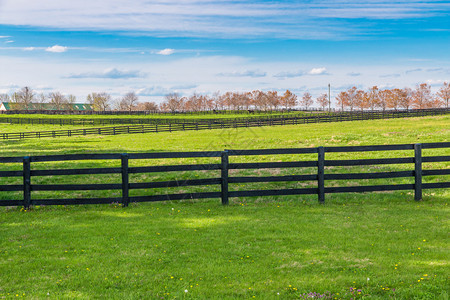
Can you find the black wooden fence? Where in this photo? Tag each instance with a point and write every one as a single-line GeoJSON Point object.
{"type": "Point", "coordinates": [169, 125]}
{"type": "Point", "coordinates": [223, 166]}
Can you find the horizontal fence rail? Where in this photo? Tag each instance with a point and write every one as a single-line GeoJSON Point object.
{"type": "Point", "coordinates": [219, 185]}
{"type": "Point", "coordinates": [169, 125]}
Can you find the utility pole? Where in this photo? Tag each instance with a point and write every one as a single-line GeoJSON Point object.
{"type": "Point", "coordinates": [329, 98]}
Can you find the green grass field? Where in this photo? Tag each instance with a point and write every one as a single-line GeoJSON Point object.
{"type": "Point", "coordinates": [359, 246]}
{"type": "Point", "coordinates": [193, 115]}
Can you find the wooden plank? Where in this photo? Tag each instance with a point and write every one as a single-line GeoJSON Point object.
{"type": "Point", "coordinates": [418, 172]}
{"type": "Point", "coordinates": [370, 188]}
{"type": "Point", "coordinates": [369, 148]}
{"type": "Point", "coordinates": [11, 202]}
{"type": "Point", "coordinates": [436, 172]}
{"type": "Point", "coordinates": [76, 201]}
{"type": "Point", "coordinates": [11, 187]}
{"type": "Point", "coordinates": [376, 161]}
{"type": "Point", "coordinates": [175, 183]}
{"type": "Point", "coordinates": [435, 145]}
{"type": "Point", "coordinates": [76, 171]}
{"type": "Point", "coordinates": [198, 167]}
{"type": "Point", "coordinates": [64, 157]}
{"type": "Point", "coordinates": [270, 165]}
{"type": "Point", "coordinates": [174, 155]}
{"type": "Point", "coordinates": [435, 158]}
{"type": "Point", "coordinates": [436, 185]}
{"type": "Point", "coordinates": [75, 187]}
{"type": "Point", "coordinates": [125, 179]}
{"type": "Point", "coordinates": [17, 159]}
{"type": "Point", "coordinates": [375, 175]}
{"type": "Point", "coordinates": [171, 197]}
{"type": "Point", "coordinates": [321, 175]}
{"type": "Point", "coordinates": [284, 192]}
{"type": "Point", "coordinates": [272, 151]}
{"type": "Point", "coordinates": [26, 182]}
{"type": "Point", "coordinates": [224, 177]}
{"type": "Point", "coordinates": [11, 173]}
{"type": "Point", "coordinates": [249, 179]}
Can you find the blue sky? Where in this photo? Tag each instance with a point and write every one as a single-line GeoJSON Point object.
{"type": "Point", "coordinates": [186, 46]}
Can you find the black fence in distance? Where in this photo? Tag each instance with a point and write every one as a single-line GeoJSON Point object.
{"type": "Point", "coordinates": [169, 125]}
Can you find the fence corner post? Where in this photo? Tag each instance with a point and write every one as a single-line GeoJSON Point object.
{"type": "Point", "coordinates": [321, 174]}
{"type": "Point", "coordinates": [224, 177]}
{"type": "Point", "coordinates": [417, 172]}
{"type": "Point", "coordinates": [125, 180]}
{"type": "Point", "coordinates": [26, 182]}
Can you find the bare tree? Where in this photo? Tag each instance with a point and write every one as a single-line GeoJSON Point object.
{"type": "Point", "coordinates": [405, 100]}
{"type": "Point", "coordinates": [307, 100]}
{"type": "Point", "coordinates": [444, 93]}
{"type": "Point", "coordinates": [372, 97]}
{"type": "Point", "coordinates": [58, 101]}
{"type": "Point", "coordinates": [322, 101]}
{"type": "Point", "coordinates": [23, 99]}
{"type": "Point", "coordinates": [129, 101]}
{"type": "Point", "coordinates": [422, 96]}
{"type": "Point", "coordinates": [4, 98]}
{"type": "Point", "coordinates": [40, 102]}
{"type": "Point", "coordinates": [342, 100]}
{"type": "Point", "coordinates": [99, 101]}
{"type": "Point", "coordinates": [147, 106]}
{"type": "Point", "coordinates": [288, 100]}
{"type": "Point", "coordinates": [173, 102]}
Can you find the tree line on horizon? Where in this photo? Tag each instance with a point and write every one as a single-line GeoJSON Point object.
{"type": "Point", "coordinates": [351, 99]}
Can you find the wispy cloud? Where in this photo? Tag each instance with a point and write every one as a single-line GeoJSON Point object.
{"type": "Point", "coordinates": [313, 72]}
{"type": "Point", "coordinates": [353, 74]}
{"type": "Point", "coordinates": [56, 49]}
{"type": "Point", "coordinates": [246, 73]}
{"type": "Point", "coordinates": [413, 70]}
{"type": "Point", "coordinates": [293, 19]}
{"type": "Point", "coordinates": [109, 74]}
{"type": "Point", "coordinates": [290, 74]}
{"type": "Point", "coordinates": [393, 75]}
{"type": "Point", "coordinates": [166, 51]}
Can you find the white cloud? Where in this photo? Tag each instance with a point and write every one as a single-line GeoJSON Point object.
{"type": "Point", "coordinates": [28, 49]}
{"type": "Point", "coordinates": [166, 51]}
{"type": "Point", "coordinates": [289, 74]}
{"type": "Point", "coordinates": [318, 71]}
{"type": "Point", "coordinates": [56, 49]}
{"type": "Point", "coordinates": [8, 42]}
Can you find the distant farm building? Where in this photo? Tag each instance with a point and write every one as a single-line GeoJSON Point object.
{"type": "Point", "coordinates": [9, 106]}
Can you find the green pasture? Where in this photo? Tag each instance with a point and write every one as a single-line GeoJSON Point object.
{"type": "Point", "coordinates": [193, 115]}
{"type": "Point", "coordinates": [355, 246]}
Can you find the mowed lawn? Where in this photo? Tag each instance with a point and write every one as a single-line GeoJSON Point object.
{"type": "Point", "coordinates": [372, 246]}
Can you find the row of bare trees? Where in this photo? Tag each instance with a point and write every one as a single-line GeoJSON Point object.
{"type": "Point", "coordinates": [351, 99]}
{"type": "Point", "coordinates": [374, 98]}
{"type": "Point", "coordinates": [257, 99]}
{"type": "Point", "coordinates": [26, 99]}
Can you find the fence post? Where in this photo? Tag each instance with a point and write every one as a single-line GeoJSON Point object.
{"type": "Point", "coordinates": [26, 182]}
{"type": "Point", "coordinates": [224, 177]}
{"type": "Point", "coordinates": [125, 179]}
{"type": "Point", "coordinates": [321, 174]}
{"type": "Point", "coordinates": [417, 172]}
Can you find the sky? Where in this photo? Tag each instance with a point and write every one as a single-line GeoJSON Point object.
{"type": "Point", "coordinates": [154, 48]}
